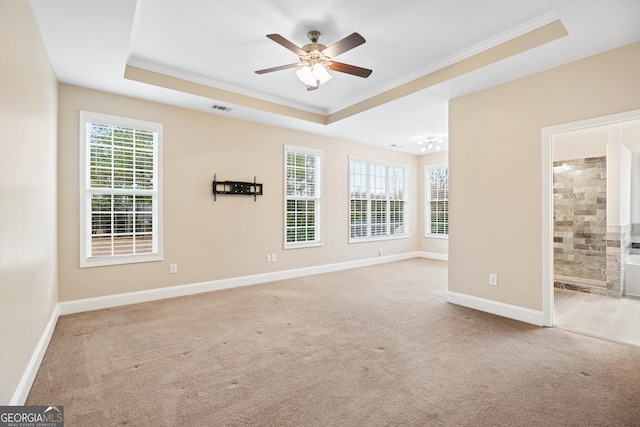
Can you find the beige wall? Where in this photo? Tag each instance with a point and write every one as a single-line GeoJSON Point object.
{"type": "Point", "coordinates": [495, 162]}
{"type": "Point", "coordinates": [28, 92]}
{"type": "Point", "coordinates": [579, 144]}
{"type": "Point", "coordinates": [228, 238]}
{"type": "Point", "coordinates": [433, 245]}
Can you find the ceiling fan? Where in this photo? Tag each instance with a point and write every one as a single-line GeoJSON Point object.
{"type": "Point", "coordinates": [316, 59]}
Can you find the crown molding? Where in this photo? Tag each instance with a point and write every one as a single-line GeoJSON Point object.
{"type": "Point", "coordinates": [195, 78]}
{"type": "Point", "coordinates": [494, 41]}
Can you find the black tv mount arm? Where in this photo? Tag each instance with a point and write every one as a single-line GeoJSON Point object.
{"type": "Point", "coordinates": [236, 187]}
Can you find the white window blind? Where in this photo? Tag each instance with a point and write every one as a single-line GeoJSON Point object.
{"type": "Point", "coordinates": [302, 197]}
{"type": "Point", "coordinates": [378, 200]}
{"type": "Point", "coordinates": [437, 200]}
{"type": "Point", "coordinates": [120, 194]}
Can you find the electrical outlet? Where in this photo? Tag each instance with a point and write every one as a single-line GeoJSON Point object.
{"type": "Point", "coordinates": [274, 257]}
{"type": "Point", "coordinates": [269, 258]}
{"type": "Point", "coordinates": [493, 279]}
{"type": "Point", "coordinates": [380, 252]}
{"type": "Point", "coordinates": [173, 268]}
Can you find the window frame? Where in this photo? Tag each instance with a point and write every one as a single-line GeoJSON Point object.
{"type": "Point", "coordinates": [87, 118]}
{"type": "Point", "coordinates": [428, 200]}
{"type": "Point", "coordinates": [368, 211]}
{"type": "Point", "coordinates": [319, 188]}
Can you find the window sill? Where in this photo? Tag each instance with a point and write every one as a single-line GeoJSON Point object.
{"type": "Point", "coordinates": [437, 236]}
{"type": "Point", "coordinates": [301, 245]}
{"type": "Point", "coordinates": [118, 260]}
{"type": "Point", "coordinates": [377, 238]}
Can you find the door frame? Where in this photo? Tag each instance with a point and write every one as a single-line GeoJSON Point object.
{"type": "Point", "coordinates": [547, 197]}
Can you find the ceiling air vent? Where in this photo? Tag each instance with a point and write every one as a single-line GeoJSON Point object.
{"type": "Point", "coordinates": [220, 107]}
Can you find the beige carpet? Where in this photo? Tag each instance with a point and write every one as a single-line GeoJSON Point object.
{"type": "Point", "coordinates": [374, 346]}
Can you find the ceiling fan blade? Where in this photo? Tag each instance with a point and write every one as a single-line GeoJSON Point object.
{"type": "Point", "coordinates": [282, 67]}
{"type": "Point", "coordinates": [344, 45]}
{"type": "Point", "coordinates": [350, 69]}
{"type": "Point", "coordinates": [286, 43]}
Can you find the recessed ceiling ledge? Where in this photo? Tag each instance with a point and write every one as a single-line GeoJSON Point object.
{"type": "Point", "coordinates": [532, 39]}
{"type": "Point", "coordinates": [199, 89]}
{"type": "Point", "coordinates": [535, 38]}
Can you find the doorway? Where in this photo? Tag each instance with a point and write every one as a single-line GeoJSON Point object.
{"type": "Point", "coordinates": [597, 288]}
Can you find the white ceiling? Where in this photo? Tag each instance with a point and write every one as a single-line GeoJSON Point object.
{"type": "Point", "coordinates": [221, 44]}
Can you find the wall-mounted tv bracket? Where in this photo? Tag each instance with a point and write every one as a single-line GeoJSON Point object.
{"type": "Point", "coordinates": [236, 187]}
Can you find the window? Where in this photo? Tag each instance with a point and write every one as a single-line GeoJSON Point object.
{"type": "Point", "coordinates": [303, 197]}
{"type": "Point", "coordinates": [437, 201]}
{"type": "Point", "coordinates": [378, 200]}
{"type": "Point", "coordinates": [120, 190]}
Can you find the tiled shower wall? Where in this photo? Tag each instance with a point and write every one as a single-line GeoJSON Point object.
{"type": "Point", "coordinates": [618, 249]}
{"type": "Point", "coordinates": [580, 229]}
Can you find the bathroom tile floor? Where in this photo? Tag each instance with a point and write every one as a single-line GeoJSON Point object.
{"type": "Point", "coordinates": [597, 315]}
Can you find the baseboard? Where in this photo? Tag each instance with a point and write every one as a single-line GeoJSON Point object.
{"type": "Point", "coordinates": [97, 303]}
{"type": "Point", "coordinates": [29, 375]}
{"type": "Point", "coordinates": [494, 307]}
{"type": "Point", "coordinates": [434, 255]}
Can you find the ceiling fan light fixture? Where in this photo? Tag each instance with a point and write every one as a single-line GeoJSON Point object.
{"type": "Point", "coordinates": [313, 69]}
{"type": "Point", "coordinates": [305, 75]}
{"type": "Point", "coordinates": [320, 73]}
